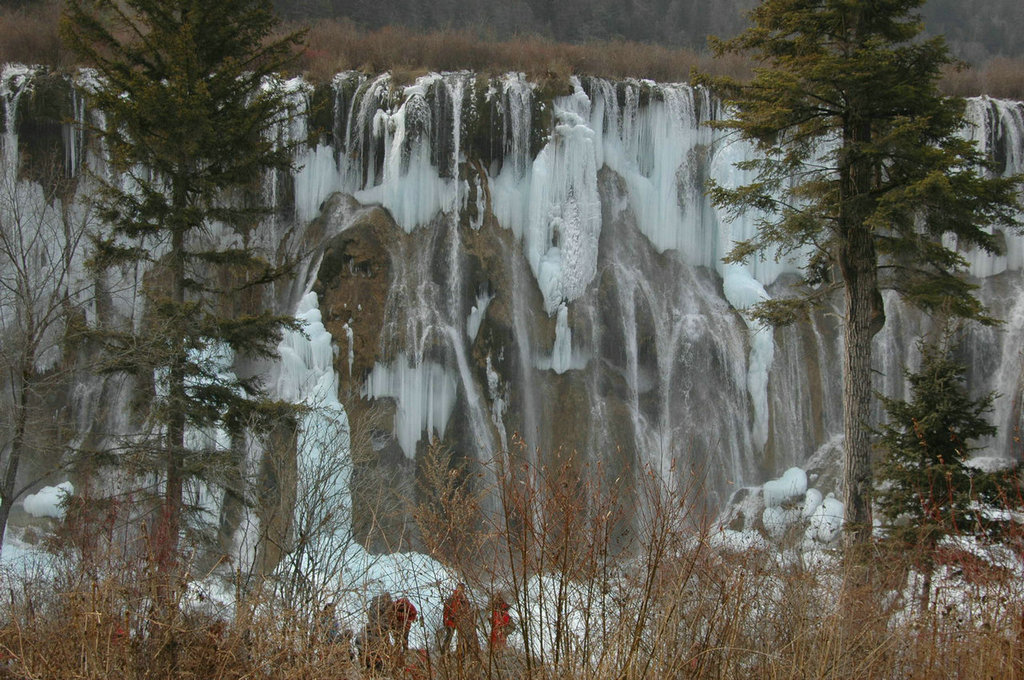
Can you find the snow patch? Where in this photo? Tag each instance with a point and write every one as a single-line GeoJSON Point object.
{"type": "Point", "coordinates": [47, 501]}
{"type": "Point", "coordinates": [791, 484]}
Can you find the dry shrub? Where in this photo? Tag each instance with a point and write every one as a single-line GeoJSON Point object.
{"type": "Point", "coordinates": [611, 575]}
{"type": "Point", "coordinates": [961, 81]}
{"type": "Point", "coordinates": [338, 45]}
{"type": "Point", "coordinates": [621, 580]}
{"type": "Point", "coordinates": [448, 512]}
{"type": "Point", "coordinates": [999, 77]}
{"type": "Point", "coordinates": [29, 34]}
{"type": "Point", "coordinates": [103, 629]}
{"type": "Point", "coordinates": [1004, 78]}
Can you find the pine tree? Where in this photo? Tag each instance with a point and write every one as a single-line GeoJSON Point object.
{"type": "Point", "coordinates": [926, 489]}
{"type": "Point", "coordinates": [186, 91]}
{"type": "Point", "coordinates": [861, 170]}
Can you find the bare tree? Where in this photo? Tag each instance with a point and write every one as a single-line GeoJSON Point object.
{"type": "Point", "coordinates": [320, 529]}
{"type": "Point", "coordinates": [41, 298]}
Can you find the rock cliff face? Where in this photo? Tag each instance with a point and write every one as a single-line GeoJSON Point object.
{"type": "Point", "coordinates": [507, 265]}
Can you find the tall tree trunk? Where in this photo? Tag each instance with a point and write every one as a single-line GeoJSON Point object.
{"type": "Point", "coordinates": [5, 513]}
{"type": "Point", "coordinates": [10, 477]}
{"type": "Point", "coordinates": [865, 316]}
{"type": "Point", "coordinates": [167, 533]}
{"type": "Point", "coordinates": [169, 521]}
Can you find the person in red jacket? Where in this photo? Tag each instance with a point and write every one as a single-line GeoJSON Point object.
{"type": "Point", "coordinates": [459, 618]}
{"type": "Point", "coordinates": [501, 621]}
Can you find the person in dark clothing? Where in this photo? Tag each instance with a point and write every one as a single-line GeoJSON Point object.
{"type": "Point", "coordinates": [328, 625]}
{"type": "Point", "coordinates": [385, 639]}
{"type": "Point", "coordinates": [373, 642]}
{"type": "Point", "coordinates": [334, 640]}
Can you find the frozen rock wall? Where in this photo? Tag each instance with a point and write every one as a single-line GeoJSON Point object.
{"type": "Point", "coordinates": [504, 261]}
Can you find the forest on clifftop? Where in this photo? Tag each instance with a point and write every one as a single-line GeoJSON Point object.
{"type": "Point", "coordinates": [661, 40]}
{"type": "Point", "coordinates": [977, 30]}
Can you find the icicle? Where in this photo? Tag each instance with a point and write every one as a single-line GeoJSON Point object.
{"type": "Point", "coordinates": [560, 223]}
{"type": "Point", "coordinates": [411, 188]}
{"type": "Point", "coordinates": [424, 394]}
{"type": "Point", "coordinates": [351, 345]}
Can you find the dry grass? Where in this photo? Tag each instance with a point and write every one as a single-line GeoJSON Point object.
{"type": "Point", "coordinates": [707, 615]}
{"type": "Point", "coordinates": [598, 595]}
{"type": "Point", "coordinates": [30, 35]}
{"type": "Point", "coordinates": [607, 581]}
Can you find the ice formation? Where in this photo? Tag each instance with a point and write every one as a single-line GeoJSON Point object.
{"type": "Point", "coordinates": [655, 320]}
{"type": "Point", "coordinates": [792, 484]}
{"type": "Point", "coordinates": [826, 521]}
{"type": "Point", "coordinates": [562, 357]}
{"type": "Point", "coordinates": [424, 394]}
{"type": "Point", "coordinates": [792, 507]}
{"type": "Point", "coordinates": [401, 147]}
{"type": "Point", "coordinates": [47, 501]}
{"type": "Point", "coordinates": [477, 314]}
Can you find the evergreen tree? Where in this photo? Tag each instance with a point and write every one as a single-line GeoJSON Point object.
{"type": "Point", "coordinates": [859, 168]}
{"type": "Point", "coordinates": [185, 87]}
{"type": "Point", "coordinates": [927, 491]}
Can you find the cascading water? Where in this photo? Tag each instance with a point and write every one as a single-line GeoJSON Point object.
{"type": "Point", "coordinates": [776, 393]}
{"type": "Point", "coordinates": [544, 263]}
{"type": "Point", "coordinates": [14, 82]}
